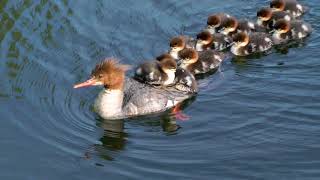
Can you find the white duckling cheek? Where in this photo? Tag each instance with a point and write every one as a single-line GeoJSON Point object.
{"type": "Point", "coordinates": [199, 46]}
{"type": "Point", "coordinates": [174, 53]}
{"type": "Point", "coordinates": [259, 22]}
{"type": "Point", "coordinates": [171, 77]}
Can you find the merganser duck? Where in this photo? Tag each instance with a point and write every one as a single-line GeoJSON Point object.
{"type": "Point", "coordinates": [178, 43]}
{"type": "Point", "coordinates": [232, 26]}
{"type": "Point", "coordinates": [157, 72]}
{"type": "Point", "coordinates": [216, 21]}
{"type": "Point", "coordinates": [293, 30]}
{"type": "Point", "coordinates": [290, 6]}
{"type": "Point", "coordinates": [218, 41]}
{"type": "Point", "coordinates": [125, 97]}
{"type": "Point", "coordinates": [246, 44]}
{"type": "Point", "coordinates": [267, 18]}
{"type": "Point", "coordinates": [200, 62]}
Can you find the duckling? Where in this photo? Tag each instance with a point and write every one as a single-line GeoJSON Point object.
{"type": "Point", "coordinates": [199, 63]}
{"type": "Point", "coordinates": [218, 41]}
{"type": "Point", "coordinates": [293, 30]}
{"type": "Point", "coordinates": [216, 21]}
{"type": "Point", "coordinates": [184, 80]}
{"type": "Point", "coordinates": [267, 18]}
{"type": "Point", "coordinates": [157, 72]}
{"type": "Point", "coordinates": [245, 44]}
{"type": "Point", "coordinates": [178, 43]}
{"type": "Point", "coordinates": [290, 6]}
{"type": "Point", "coordinates": [232, 26]}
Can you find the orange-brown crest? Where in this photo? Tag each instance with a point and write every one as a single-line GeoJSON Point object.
{"type": "Point", "coordinates": [214, 20]}
{"type": "Point", "coordinates": [178, 41]}
{"type": "Point", "coordinates": [205, 36]}
{"type": "Point", "coordinates": [188, 53]}
{"type": "Point", "coordinates": [282, 25]}
{"type": "Point", "coordinates": [111, 73]}
{"type": "Point", "coordinates": [264, 13]}
{"type": "Point", "coordinates": [277, 4]}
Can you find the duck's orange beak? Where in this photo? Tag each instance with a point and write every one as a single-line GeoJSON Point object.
{"type": "Point", "coordinates": [89, 82]}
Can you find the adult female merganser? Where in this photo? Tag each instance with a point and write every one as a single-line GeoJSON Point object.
{"type": "Point", "coordinates": [232, 25]}
{"type": "Point", "coordinates": [178, 43]}
{"type": "Point", "coordinates": [293, 30]}
{"type": "Point", "coordinates": [200, 62]}
{"type": "Point", "coordinates": [218, 41]}
{"type": "Point", "coordinates": [157, 72]}
{"type": "Point", "coordinates": [216, 21]}
{"type": "Point", "coordinates": [290, 6]}
{"type": "Point", "coordinates": [245, 44]}
{"type": "Point", "coordinates": [267, 18]}
{"type": "Point", "coordinates": [125, 97]}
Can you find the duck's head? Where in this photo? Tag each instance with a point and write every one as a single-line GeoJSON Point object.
{"type": "Point", "coordinates": [109, 73]}
{"type": "Point", "coordinates": [277, 5]}
{"type": "Point", "coordinates": [213, 21]}
{"type": "Point", "coordinates": [177, 43]}
{"type": "Point", "coordinates": [264, 14]}
{"type": "Point", "coordinates": [204, 38]}
{"type": "Point", "coordinates": [188, 56]}
{"type": "Point", "coordinates": [230, 26]}
{"type": "Point", "coordinates": [163, 56]}
{"type": "Point", "coordinates": [281, 26]}
{"type": "Point", "coordinates": [241, 39]}
{"type": "Point", "coordinates": [167, 64]}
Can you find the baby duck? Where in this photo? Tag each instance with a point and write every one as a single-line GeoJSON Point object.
{"type": "Point", "coordinates": [290, 6]}
{"type": "Point", "coordinates": [245, 44]}
{"type": "Point", "coordinates": [178, 43]}
{"type": "Point", "coordinates": [157, 72]}
{"type": "Point", "coordinates": [267, 18]}
{"type": "Point", "coordinates": [232, 25]}
{"type": "Point", "coordinates": [199, 63]}
{"type": "Point", "coordinates": [206, 40]}
{"type": "Point", "coordinates": [216, 21]}
{"type": "Point", "coordinates": [293, 30]}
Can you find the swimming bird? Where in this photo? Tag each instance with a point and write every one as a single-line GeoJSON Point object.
{"type": "Point", "coordinates": [125, 97]}
{"type": "Point", "coordinates": [267, 18]}
{"type": "Point", "coordinates": [178, 43]}
{"type": "Point", "coordinates": [293, 30]}
{"type": "Point", "coordinates": [206, 40]}
{"type": "Point", "coordinates": [290, 6]}
{"type": "Point", "coordinates": [245, 44]}
{"type": "Point", "coordinates": [200, 62]}
{"type": "Point", "coordinates": [216, 21]}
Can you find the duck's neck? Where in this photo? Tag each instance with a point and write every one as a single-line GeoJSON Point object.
{"type": "Point", "coordinates": [170, 78]}
{"type": "Point", "coordinates": [109, 103]}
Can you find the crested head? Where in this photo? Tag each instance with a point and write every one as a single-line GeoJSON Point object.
{"type": "Point", "coordinates": [264, 14]}
{"type": "Point", "coordinates": [163, 56]}
{"type": "Point", "coordinates": [109, 73]}
{"type": "Point", "coordinates": [204, 37]}
{"type": "Point", "coordinates": [282, 26]}
{"type": "Point", "coordinates": [241, 39]}
{"type": "Point", "coordinates": [214, 20]}
{"type": "Point", "coordinates": [177, 43]}
{"type": "Point", "coordinates": [277, 5]}
{"type": "Point", "coordinates": [188, 56]}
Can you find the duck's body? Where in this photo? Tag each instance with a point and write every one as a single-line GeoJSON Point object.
{"type": "Point", "coordinates": [125, 97]}
{"type": "Point", "coordinates": [290, 6]}
{"type": "Point", "coordinates": [137, 99]}
{"type": "Point", "coordinates": [200, 62]}
{"type": "Point", "coordinates": [267, 18]}
{"type": "Point", "coordinates": [216, 21]}
{"type": "Point", "coordinates": [178, 43]}
{"type": "Point", "coordinates": [294, 30]}
{"type": "Point", "coordinates": [157, 72]}
{"type": "Point", "coordinates": [245, 44]}
{"type": "Point", "coordinates": [246, 26]}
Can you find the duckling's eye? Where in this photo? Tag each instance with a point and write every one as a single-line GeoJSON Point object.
{"type": "Point", "coordinates": [100, 76]}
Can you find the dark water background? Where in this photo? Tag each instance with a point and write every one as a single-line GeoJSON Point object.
{"type": "Point", "coordinates": [256, 119]}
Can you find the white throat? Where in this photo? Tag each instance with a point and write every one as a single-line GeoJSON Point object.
{"type": "Point", "coordinates": [109, 103]}
{"type": "Point", "coordinates": [199, 46]}
{"type": "Point", "coordinates": [171, 76]}
{"type": "Point", "coordinates": [174, 54]}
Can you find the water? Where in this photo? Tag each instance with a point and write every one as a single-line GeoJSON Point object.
{"type": "Point", "coordinates": [257, 118]}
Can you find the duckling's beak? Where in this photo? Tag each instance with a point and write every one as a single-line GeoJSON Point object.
{"type": "Point", "coordinates": [89, 82]}
{"type": "Point", "coordinates": [231, 44]}
{"type": "Point", "coordinates": [221, 30]}
{"type": "Point", "coordinates": [272, 31]}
